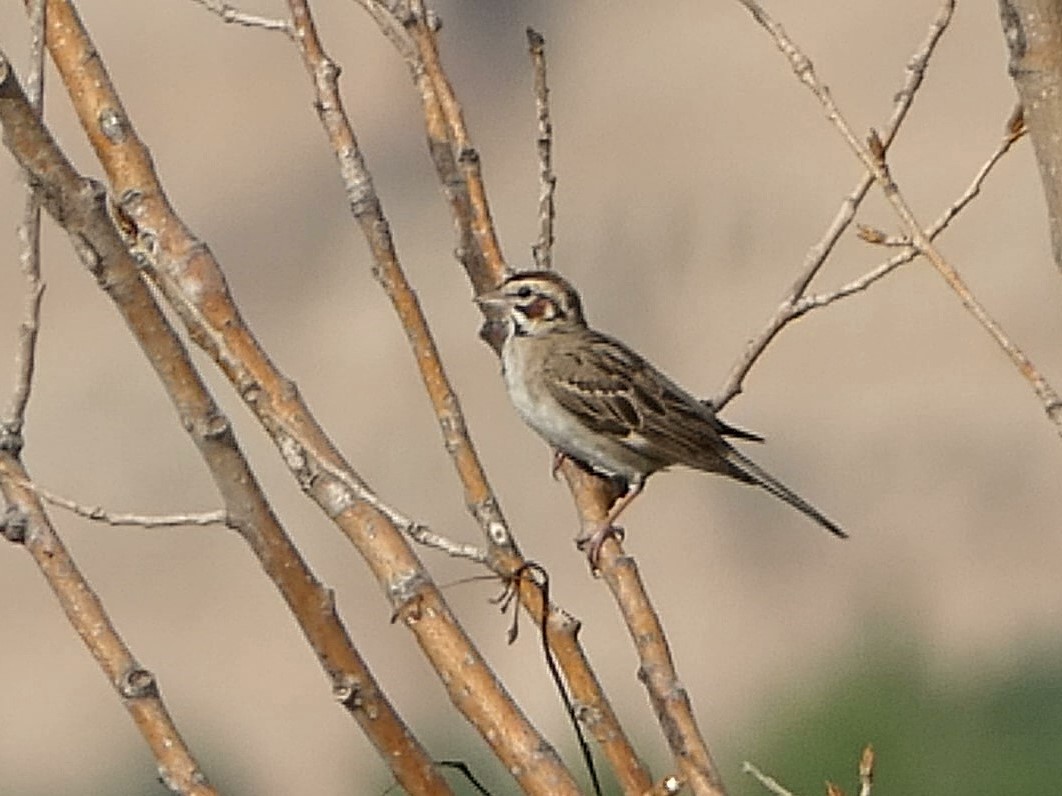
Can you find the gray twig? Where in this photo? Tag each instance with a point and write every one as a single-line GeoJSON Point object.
{"type": "Point", "coordinates": [542, 249]}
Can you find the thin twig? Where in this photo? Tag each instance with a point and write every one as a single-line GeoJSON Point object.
{"type": "Point", "coordinates": [29, 233]}
{"type": "Point", "coordinates": [770, 783]}
{"type": "Point", "coordinates": [817, 254]}
{"type": "Point", "coordinates": [233, 15]}
{"type": "Point", "coordinates": [1013, 134]}
{"type": "Point", "coordinates": [99, 514]}
{"type": "Point", "coordinates": [872, 156]}
{"type": "Point", "coordinates": [542, 249]}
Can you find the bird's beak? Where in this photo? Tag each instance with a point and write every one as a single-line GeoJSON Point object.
{"type": "Point", "coordinates": [494, 298]}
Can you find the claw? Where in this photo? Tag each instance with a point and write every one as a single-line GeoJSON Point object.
{"type": "Point", "coordinates": [591, 543]}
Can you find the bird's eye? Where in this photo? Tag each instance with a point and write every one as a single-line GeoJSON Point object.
{"type": "Point", "coordinates": [524, 291]}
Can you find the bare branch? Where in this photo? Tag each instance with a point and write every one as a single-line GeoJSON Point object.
{"type": "Point", "coordinates": [1033, 37]}
{"type": "Point", "coordinates": [368, 211]}
{"type": "Point", "coordinates": [770, 783]}
{"type": "Point", "coordinates": [1013, 134]}
{"type": "Point", "coordinates": [29, 233]}
{"type": "Point", "coordinates": [872, 155]}
{"type": "Point", "coordinates": [192, 281]}
{"type": "Point", "coordinates": [27, 523]}
{"type": "Point", "coordinates": [99, 514]}
{"type": "Point", "coordinates": [542, 249]}
{"type": "Point", "coordinates": [231, 14]}
{"type": "Point", "coordinates": [483, 270]}
{"type": "Point", "coordinates": [671, 703]}
{"type": "Point", "coordinates": [817, 255]}
{"type": "Point", "coordinates": [79, 206]}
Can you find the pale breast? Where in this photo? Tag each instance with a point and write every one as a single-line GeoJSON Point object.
{"type": "Point", "coordinates": [538, 408]}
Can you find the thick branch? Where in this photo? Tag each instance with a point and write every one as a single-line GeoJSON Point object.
{"type": "Point", "coordinates": [1033, 33]}
{"type": "Point", "coordinates": [27, 523]}
{"type": "Point", "coordinates": [194, 284]}
{"type": "Point", "coordinates": [78, 205]}
{"type": "Point", "coordinates": [503, 554]}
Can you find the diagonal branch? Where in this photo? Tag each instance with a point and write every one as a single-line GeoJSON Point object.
{"type": "Point", "coordinates": [1014, 133]}
{"type": "Point", "coordinates": [790, 309]}
{"type": "Point", "coordinates": [13, 419]}
{"type": "Point", "coordinates": [27, 523]}
{"type": "Point", "coordinates": [872, 156]}
{"type": "Point", "coordinates": [593, 495]}
{"type": "Point", "coordinates": [193, 283]}
{"type": "Point", "coordinates": [79, 206]}
{"type": "Point", "coordinates": [503, 555]}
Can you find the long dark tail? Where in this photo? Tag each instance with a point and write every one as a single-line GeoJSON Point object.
{"type": "Point", "coordinates": [744, 469]}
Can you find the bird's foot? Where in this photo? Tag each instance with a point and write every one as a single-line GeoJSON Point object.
{"type": "Point", "coordinates": [591, 542]}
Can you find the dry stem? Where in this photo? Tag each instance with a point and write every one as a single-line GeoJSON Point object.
{"type": "Point", "coordinates": [78, 203]}
{"type": "Point", "coordinates": [872, 156]}
{"type": "Point", "coordinates": [792, 307]}
{"type": "Point", "coordinates": [193, 283]}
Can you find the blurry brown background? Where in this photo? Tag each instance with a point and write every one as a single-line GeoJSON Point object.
{"type": "Point", "coordinates": [694, 173]}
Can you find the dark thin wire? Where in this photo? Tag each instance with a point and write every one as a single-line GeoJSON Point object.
{"type": "Point", "coordinates": [505, 600]}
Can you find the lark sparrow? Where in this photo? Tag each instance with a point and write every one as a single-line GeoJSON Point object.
{"type": "Point", "coordinates": [597, 401]}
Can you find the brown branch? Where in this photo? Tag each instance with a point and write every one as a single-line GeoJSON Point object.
{"type": "Point", "coordinates": [790, 309]}
{"type": "Point", "coordinates": [1014, 132]}
{"type": "Point", "coordinates": [192, 281]}
{"type": "Point", "coordinates": [562, 630]}
{"type": "Point", "coordinates": [872, 156]}
{"type": "Point", "coordinates": [504, 556]}
{"type": "Point", "coordinates": [656, 670]}
{"type": "Point", "coordinates": [423, 35]}
{"type": "Point", "coordinates": [26, 523]}
{"type": "Point", "coordinates": [365, 205]}
{"type": "Point", "coordinates": [592, 495]}
{"type": "Point", "coordinates": [78, 205]}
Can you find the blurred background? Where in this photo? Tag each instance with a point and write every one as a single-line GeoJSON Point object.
{"type": "Point", "coordinates": [694, 173]}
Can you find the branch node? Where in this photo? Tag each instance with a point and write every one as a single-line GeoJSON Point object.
{"type": "Point", "coordinates": [14, 525]}
{"type": "Point", "coordinates": [137, 683]}
{"type": "Point", "coordinates": [871, 234]}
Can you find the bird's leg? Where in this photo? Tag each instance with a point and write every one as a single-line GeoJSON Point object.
{"type": "Point", "coordinates": [592, 541]}
{"type": "Point", "coordinates": [558, 459]}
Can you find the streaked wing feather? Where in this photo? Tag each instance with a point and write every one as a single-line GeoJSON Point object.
{"type": "Point", "coordinates": [612, 390]}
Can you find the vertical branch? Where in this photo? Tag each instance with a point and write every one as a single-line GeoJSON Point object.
{"type": "Point", "coordinates": [29, 232]}
{"type": "Point", "coordinates": [1032, 30]}
{"type": "Point", "coordinates": [542, 249]}
{"type": "Point", "coordinates": [656, 667]}
{"type": "Point", "coordinates": [423, 33]}
{"type": "Point", "coordinates": [593, 495]}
